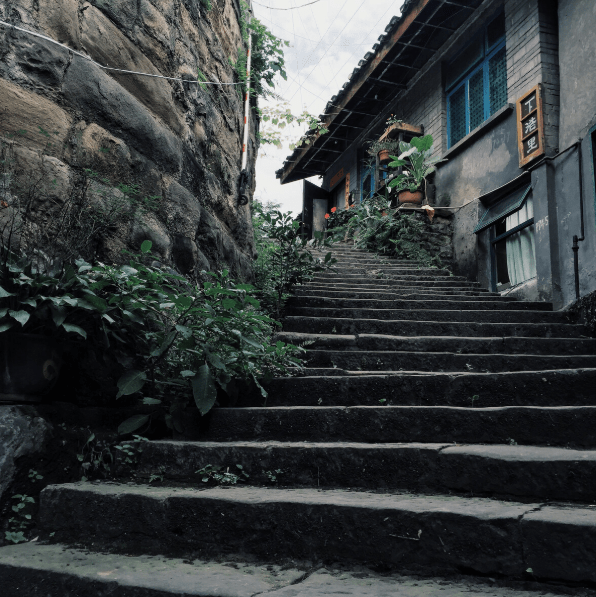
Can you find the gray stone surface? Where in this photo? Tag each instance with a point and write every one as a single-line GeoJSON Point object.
{"type": "Point", "coordinates": [129, 129]}
{"type": "Point", "coordinates": [55, 571]}
{"type": "Point", "coordinates": [21, 435]}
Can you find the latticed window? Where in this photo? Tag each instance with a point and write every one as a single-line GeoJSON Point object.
{"type": "Point", "coordinates": [476, 81]}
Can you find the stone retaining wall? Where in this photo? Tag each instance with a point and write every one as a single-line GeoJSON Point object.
{"type": "Point", "coordinates": [71, 129]}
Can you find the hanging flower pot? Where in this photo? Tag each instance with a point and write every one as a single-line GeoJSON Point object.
{"type": "Point", "coordinates": [384, 156]}
{"type": "Point", "coordinates": [409, 198]}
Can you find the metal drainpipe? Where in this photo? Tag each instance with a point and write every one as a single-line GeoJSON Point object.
{"type": "Point", "coordinates": [244, 174]}
{"type": "Point", "coordinates": [576, 239]}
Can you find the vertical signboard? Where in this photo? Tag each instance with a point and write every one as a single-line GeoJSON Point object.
{"type": "Point", "coordinates": [530, 126]}
{"type": "Point", "coordinates": [347, 193]}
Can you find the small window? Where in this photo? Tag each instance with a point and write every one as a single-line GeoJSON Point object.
{"type": "Point", "coordinates": [476, 81]}
{"type": "Point", "coordinates": [511, 224]}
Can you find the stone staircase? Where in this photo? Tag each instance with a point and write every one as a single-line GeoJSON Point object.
{"type": "Point", "coordinates": [438, 427]}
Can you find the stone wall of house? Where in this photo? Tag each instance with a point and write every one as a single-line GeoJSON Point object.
{"type": "Point", "coordinates": [533, 58]}
{"type": "Point", "coordinates": [73, 130]}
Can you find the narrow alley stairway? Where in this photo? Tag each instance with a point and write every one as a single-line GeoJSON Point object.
{"type": "Point", "coordinates": [438, 427]}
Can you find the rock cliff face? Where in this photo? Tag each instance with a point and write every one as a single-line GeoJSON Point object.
{"type": "Point", "coordinates": [139, 157]}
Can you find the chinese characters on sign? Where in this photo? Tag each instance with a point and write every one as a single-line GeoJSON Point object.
{"type": "Point", "coordinates": [336, 178]}
{"type": "Point", "coordinates": [530, 128]}
{"type": "Point", "coordinates": [347, 195]}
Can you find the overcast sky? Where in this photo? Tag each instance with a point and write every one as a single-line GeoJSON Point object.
{"type": "Point", "coordinates": [327, 40]}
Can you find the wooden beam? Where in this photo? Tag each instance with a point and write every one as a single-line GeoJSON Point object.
{"type": "Point", "coordinates": [363, 76]}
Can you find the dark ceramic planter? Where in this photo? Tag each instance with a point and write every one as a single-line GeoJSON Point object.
{"type": "Point", "coordinates": [29, 366]}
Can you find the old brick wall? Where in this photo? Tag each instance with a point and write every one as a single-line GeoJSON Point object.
{"type": "Point", "coordinates": [66, 122]}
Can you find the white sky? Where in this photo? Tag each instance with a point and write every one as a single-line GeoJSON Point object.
{"type": "Point", "coordinates": [327, 40]}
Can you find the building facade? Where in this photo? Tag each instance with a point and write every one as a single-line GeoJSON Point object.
{"type": "Point", "coordinates": [507, 89]}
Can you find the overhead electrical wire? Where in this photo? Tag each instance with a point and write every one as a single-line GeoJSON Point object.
{"type": "Point", "coordinates": [291, 8]}
{"type": "Point", "coordinates": [119, 70]}
{"type": "Point", "coordinates": [325, 52]}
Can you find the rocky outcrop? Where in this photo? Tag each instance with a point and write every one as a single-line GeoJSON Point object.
{"type": "Point", "coordinates": [21, 435]}
{"type": "Point", "coordinates": [154, 159]}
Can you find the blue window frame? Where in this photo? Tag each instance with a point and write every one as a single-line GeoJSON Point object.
{"type": "Point", "coordinates": [476, 82]}
{"type": "Point", "coordinates": [368, 182]}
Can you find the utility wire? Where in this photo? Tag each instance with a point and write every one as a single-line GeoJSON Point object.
{"type": "Point", "coordinates": [119, 70]}
{"type": "Point", "coordinates": [291, 8]}
{"type": "Point", "coordinates": [338, 35]}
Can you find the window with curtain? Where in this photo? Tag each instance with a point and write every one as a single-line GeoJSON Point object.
{"type": "Point", "coordinates": [511, 224]}
{"type": "Point", "coordinates": [476, 81]}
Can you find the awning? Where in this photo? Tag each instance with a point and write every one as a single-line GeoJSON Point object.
{"type": "Point", "coordinates": [407, 45]}
{"type": "Point", "coordinates": [514, 202]}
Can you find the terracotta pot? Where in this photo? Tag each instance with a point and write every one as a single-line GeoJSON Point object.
{"type": "Point", "coordinates": [29, 366]}
{"type": "Point", "coordinates": [414, 198]}
{"type": "Point", "coordinates": [384, 156]}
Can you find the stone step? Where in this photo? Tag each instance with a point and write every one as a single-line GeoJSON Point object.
{"type": "Point", "coordinates": [420, 305]}
{"type": "Point", "coordinates": [480, 535]}
{"type": "Point", "coordinates": [395, 288]}
{"type": "Point", "coordinates": [355, 269]}
{"type": "Point", "coordinates": [446, 314]}
{"type": "Point", "coordinates": [383, 282]}
{"type": "Point", "coordinates": [65, 572]}
{"type": "Point", "coordinates": [350, 295]}
{"type": "Point", "coordinates": [454, 344]}
{"type": "Point", "coordinates": [34, 570]}
{"type": "Point", "coordinates": [405, 277]}
{"type": "Point", "coordinates": [337, 325]}
{"type": "Point", "coordinates": [498, 470]}
{"type": "Point", "coordinates": [525, 425]}
{"type": "Point", "coordinates": [337, 387]}
{"type": "Point", "coordinates": [380, 360]}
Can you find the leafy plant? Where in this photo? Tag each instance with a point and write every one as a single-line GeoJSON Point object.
{"type": "Point", "coordinates": [190, 338]}
{"type": "Point", "coordinates": [416, 162]}
{"type": "Point", "coordinates": [272, 476]}
{"type": "Point", "coordinates": [267, 55]}
{"type": "Point", "coordinates": [285, 258]}
{"type": "Point", "coordinates": [280, 116]}
{"type": "Point", "coordinates": [218, 476]}
{"type": "Point", "coordinates": [56, 303]}
{"type": "Point", "coordinates": [19, 523]}
{"type": "Point", "coordinates": [375, 147]}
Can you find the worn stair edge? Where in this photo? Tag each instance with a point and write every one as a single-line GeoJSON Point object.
{"type": "Point", "coordinates": [499, 470]}
{"type": "Point", "coordinates": [34, 570]}
{"type": "Point", "coordinates": [476, 534]}
{"type": "Point", "coordinates": [402, 295]}
{"type": "Point", "coordinates": [344, 326]}
{"type": "Point", "coordinates": [524, 388]}
{"type": "Point", "coordinates": [473, 424]}
{"type": "Point", "coordinates": [420, 304]}
{"type": "Point", "coordinates": [379, 360]}
{"type": "Point", "coordinates": [451, 315]}
{"type": "Point", "coordinates": [455, 344]}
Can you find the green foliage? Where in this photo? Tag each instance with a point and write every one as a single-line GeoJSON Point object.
{"type": "Point", "coordinates": [57, 303]}
{"type": "Point", "coordinates": [284, 257]}
{"type": "Point", "coordinates": [217, 476]}
{"type": "Point", "coordinates": [267, 55]}
{"type": "Point", "coordinates": [279, 116]}
{"type": "Point", "coordinates": [272, 476]}
{"type": "Point", "coordinates": [22, 519]}
{"type": "Point", "coordinates": [416, 163]}
{"type": "Point", "coordinates": [376, 146]}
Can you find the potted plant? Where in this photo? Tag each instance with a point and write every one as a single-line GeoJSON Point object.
{"type": "Point", "coordinates": [417, 166]}
{"type": "Point", "coordinates": [383, 149]}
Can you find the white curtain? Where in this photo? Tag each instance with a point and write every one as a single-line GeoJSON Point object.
{"type": "Point", "coordinates": [521, 256]}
